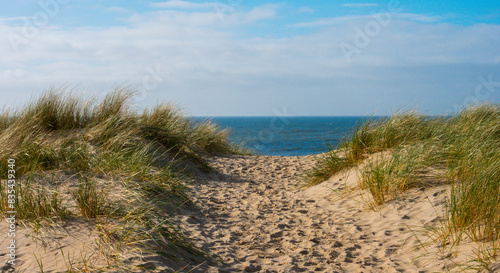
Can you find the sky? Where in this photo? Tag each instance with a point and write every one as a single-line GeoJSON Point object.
{"type": "Point", "coordinates": [256, 58]}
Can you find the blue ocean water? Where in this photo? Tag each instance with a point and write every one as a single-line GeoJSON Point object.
{"type": "Point", "coordinates": [287, 136]}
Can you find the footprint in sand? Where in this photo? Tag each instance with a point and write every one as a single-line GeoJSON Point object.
{"type": "Point", "coordinates": [257, 220]}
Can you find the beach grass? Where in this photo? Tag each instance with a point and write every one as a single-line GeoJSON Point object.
{"type": "Point", "coordinates": [327, 165]}
{"type": "Point", "coordinates": [397, 153]}
{"type": "Point", "coordinates": [90, 198]}
{"type": "Point", "coordinates": [36, 202]}
{"type": "Point", "coordinates": [144, 153]}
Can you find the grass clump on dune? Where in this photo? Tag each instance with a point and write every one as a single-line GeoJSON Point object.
{"type": "Point", "coordinates": [142, 153]}
{"type": "Point", "coordinates": [58, 130]}
{"type": "Point", "coordinates": [369, 137]}
{"type": "Point", "coordinates": [399, 151]}
{"type": "Point", "coordinates": [327, 165]}
{"type": "Point", "coordinates": [389, 175]}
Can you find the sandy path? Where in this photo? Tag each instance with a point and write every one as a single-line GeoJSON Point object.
{"type": "Point", "coordinates": [256, 219]}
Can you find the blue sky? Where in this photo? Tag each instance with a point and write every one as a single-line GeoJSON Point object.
{"type": "Point", "coordinates": [235, 57]}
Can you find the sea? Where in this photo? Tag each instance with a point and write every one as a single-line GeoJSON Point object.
{"type": "Point", "coordinates": [287, 135]}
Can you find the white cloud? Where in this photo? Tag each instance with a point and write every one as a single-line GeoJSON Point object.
{"type": "Point", "coordinates": [117, 9]}
{"type": "Point", "coordinates": [13, 74]}
{"type": "Point", "coordinates": [321, 22]}
{"type": "Point", "coordinates": [267, 11]}
{"type": "Point", "coordinates": [360, 5]}
{"type": "Point", "coordinates": [302, 10]}
{"type": "Point", "coordinates": [418, 17]}
{"type": "Point", "coordinates": [206, 64]}
{"type": "Point", "coordinates": [9, 19]}
{"type": "Point", "coordinates": [181, 4]}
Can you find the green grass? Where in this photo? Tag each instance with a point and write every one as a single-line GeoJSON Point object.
{"type": "Point", "coordinates": [61, 130]}
{"type": "Point", "coordinates": [464, 147]}
{"type": "Point", "coordinates": [35, 202]}
{"type": "Point", "coordinates": [327, 165]}
{"type": "Point", "coordinates": [90, 198]}
{"type": "Point", "coordinates": [107, 139]}
{"type": "Point", "coordinates": [388, 176]}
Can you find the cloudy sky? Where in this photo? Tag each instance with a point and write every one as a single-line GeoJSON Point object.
{"type": "Point", "coordinates": [235, 57]}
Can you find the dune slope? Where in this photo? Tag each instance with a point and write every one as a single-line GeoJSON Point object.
{"type": "Point", "coordinates": [256, 219]}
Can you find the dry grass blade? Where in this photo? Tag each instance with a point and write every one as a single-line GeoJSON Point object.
{"type": "Point", "coordinates": [466, 147]}
{"type": "Point", "coordinates": [62, 132]}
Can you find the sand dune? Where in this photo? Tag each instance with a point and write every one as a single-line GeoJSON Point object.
{"type": "Point", "coordinates": [253, 216]}
{"type": "Point", "coordinates": [257, 220]}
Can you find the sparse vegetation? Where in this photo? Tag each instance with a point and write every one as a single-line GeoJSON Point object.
{"type": "Point", "coordinates": [328, 164]}
{"type": "Point", "coordinates": [399, 151]}
{"type": "Point", "coordinates": [142, 154]}
{"type": "Point", "coordinates": [36, 202]}
{"type": "Point", "coordinates": [90, 198]}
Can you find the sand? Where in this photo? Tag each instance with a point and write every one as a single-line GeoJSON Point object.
{"type": "Point", "coordinates": [257, 220]}
{"type": "Point", "coordinates": [253, 216]}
